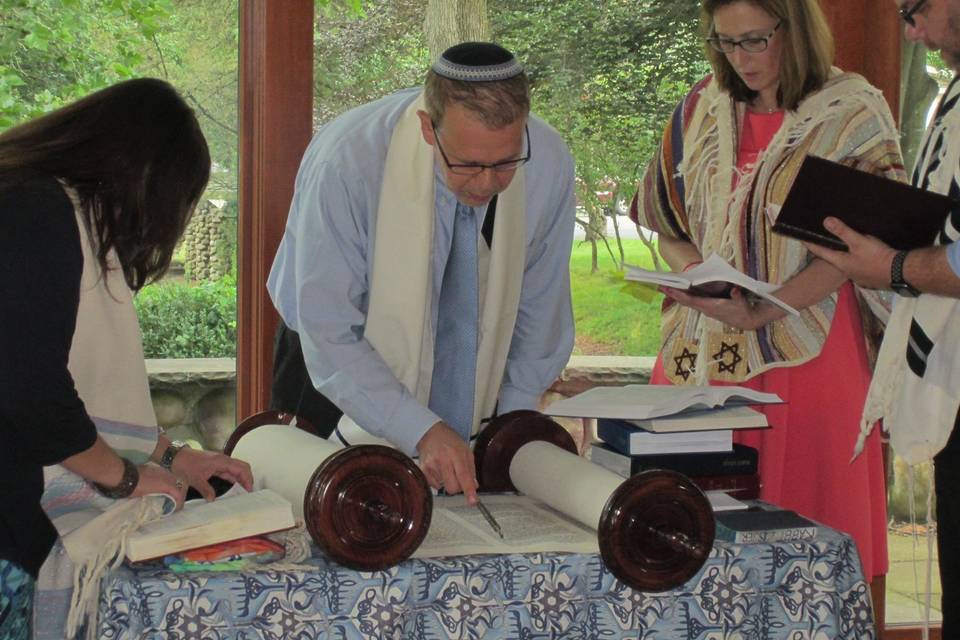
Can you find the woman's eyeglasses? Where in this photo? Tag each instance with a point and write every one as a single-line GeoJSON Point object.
{"type": "Point", "coordinates": [755, 44]}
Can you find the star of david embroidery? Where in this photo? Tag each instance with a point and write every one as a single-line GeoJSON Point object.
{"type": "Point", "coordinates": [720, 357]}
{"type": "Point", "coordinates": [691, 359]}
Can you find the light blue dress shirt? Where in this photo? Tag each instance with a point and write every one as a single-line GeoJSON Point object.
{"type": "Point", "coordinates": [953, 256]}
{"type": "Point", "coordinates": [320, 280]}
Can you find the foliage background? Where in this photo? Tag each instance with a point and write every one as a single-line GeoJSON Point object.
{"type": "Point", "coordinates": [189, 321]}
{"type": "Point", "coordinates": [606, 75]}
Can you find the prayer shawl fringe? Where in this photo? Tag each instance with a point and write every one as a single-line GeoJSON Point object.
{"type": "Point", "coordinates": [399, 314]}
{"type": "Point", "coordinates": [694, 191]}
{"type": "Point", "coordinates": [108, 369]}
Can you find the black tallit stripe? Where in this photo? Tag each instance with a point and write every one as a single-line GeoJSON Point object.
{"type": "Point", "coordinates": [934, 160]}
{"type": "Point", "coordinates": [488, 220]}
{"type": "Point", "coordinates": [949, 100]}
{"type": "Point", "coordinates": [918, 349]}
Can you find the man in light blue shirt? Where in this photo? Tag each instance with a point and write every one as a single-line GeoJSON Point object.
{"type": "Point", "coordinates": [374, 225]}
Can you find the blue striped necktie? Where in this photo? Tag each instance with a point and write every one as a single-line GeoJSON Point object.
{"type": "Point", "coordinates": [455, 349]}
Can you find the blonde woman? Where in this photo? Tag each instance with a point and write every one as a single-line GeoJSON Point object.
{"type": "Point", "coordinates": [727, 160]}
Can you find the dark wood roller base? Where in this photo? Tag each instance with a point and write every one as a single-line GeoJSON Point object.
{"type": "Point", "coordinates": [262, 419]}
{"type": "Point", "coordinates": [368, 507]}
{"type": "Point", "coordinates": [657, 527]}
{"type": "Point", "coordinates": [502, 438]}
{"type": "Point", "coordinates": [656, 531]}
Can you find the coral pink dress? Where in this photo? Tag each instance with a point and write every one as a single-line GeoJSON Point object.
{"type": "Point", "coordinates": [805, 455]}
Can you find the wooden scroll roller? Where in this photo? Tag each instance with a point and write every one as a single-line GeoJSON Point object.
{"type": "Point", "coordinates": [367, 506]}
{"type": "Point", "coordinates": [655, 529]}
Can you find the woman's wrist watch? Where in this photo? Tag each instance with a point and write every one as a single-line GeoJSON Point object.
{"type": "Point", "coordinates": [126, 486]}
{"type": "Point", "coordinates": [166, 460]}
{"type": "Point", "coordinates": [898, 283]}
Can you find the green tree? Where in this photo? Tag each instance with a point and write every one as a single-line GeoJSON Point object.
{"type": "Point", "coordinates": [606, 75]}
{"type": "Point", "coordinates": [54, 51]}
{"type": "Point", "coordinates": [362, 56]}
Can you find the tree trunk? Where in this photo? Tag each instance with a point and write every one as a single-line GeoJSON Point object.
{"type": "Point", "coordinates": [450, 22]}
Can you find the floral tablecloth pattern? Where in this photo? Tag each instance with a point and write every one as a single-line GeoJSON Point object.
{"type": "Point", "coordinates": [796, 591]}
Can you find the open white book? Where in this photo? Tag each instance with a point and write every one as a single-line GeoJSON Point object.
{"type": "Point", "coordinates": [201, 523]}
{"type": "Point", "coordinates": [645, 401]}
{"type": "Point", "coordinates": [713, 269]}
{"type": "Point", "coordinates": [528, 525]}
{"type": "Point", "coordinates": [732, 417]}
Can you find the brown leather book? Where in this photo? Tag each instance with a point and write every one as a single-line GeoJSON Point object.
{"type": "Point", "coordinates": [740, 486]}
{"type": "Point", "coordinates": [900, 214]}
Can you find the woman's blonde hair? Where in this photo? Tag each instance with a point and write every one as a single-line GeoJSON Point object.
{"type": "Point", "coordinates": [807, 49]}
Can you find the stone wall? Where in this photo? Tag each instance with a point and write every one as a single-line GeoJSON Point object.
{"type": "Point", "coordinates": [206, 246]}
{"type": "Point", "coordinates": [195, 399]}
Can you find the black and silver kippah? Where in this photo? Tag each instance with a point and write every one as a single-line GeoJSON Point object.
{"type": "Point", "coordinates": [477, 62]}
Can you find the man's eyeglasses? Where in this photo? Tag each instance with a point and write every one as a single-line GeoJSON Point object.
{"type": "Point", "coordinates": [755, 44]}
{"type": "Point", "coordinates": [475, 168]}
{"type": "Point", "coordinates": [908, 13]}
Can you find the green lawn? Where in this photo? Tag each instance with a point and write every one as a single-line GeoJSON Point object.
{"type": "Point", "coordinates": [906, 580]}
{"type": "Point", "coordinates": [609, 320]}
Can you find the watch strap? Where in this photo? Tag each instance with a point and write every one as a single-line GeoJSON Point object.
{"type": "Point", "coordinates": [897, 282]}
{"type": "Point", "coordinates": [166, 460]}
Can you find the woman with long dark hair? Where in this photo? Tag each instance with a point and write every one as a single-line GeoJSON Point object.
{"type": "Point", "coordinates": [93, 198]}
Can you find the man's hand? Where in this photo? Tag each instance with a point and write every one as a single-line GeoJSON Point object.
{"type": "Point", "coordinates": [447, 462]}
{"type": "Point", "coordinates": [196, 468]}
{"type": "Point", "coordinates": [868, 261]}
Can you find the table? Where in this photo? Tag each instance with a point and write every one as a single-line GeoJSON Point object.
{"type": "Point", "coordinates": [811, 589]}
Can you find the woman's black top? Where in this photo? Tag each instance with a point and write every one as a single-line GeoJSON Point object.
{"type": "Point", "coordinates": [42, 419]}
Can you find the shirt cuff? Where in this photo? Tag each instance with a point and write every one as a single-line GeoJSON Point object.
{"type": "Point", "coordinates": [512, 399]}
{"type": "Point", "coordinates": [419, 418]}
{"type": "Point", "coordinates": [953, 257]}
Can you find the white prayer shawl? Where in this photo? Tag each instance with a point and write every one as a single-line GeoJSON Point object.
{"type": "Point", "coordinates": [399, 324]}
{"type": "Point", "coordinates": [916, 384]}
{"type": "Point", "coordinates": [108, 369]}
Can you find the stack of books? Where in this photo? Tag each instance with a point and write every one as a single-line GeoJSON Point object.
{"type": "Point", "coordinates": [684, 429]}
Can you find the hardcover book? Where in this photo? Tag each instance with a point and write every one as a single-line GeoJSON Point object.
{"type": "Point", "coordinates": [735, 417]}
{"type": "Point", "coordinates": [741, 487]}
{"type": "Point", "coordinates": [713, 269]}
{"type": "Point", "coordinates": [202, 523]}
{"type": "Point", "coordinates": [626, 437]}
{"type": "Point", "coordinates": [900, 214]}
{"type": "Point", "coordinates": [645, 401]}
{"type": "Point", "coordinates": [740, 461]}
{"type": "Point", "coordinates": [760, 525]}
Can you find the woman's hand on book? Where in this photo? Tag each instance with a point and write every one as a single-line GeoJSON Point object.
{"type": "Point", "coordinates": [154, 479]}
{"type": "Point", "coordinates": [197, 467]}
{"type": "Point", "coordinates": [737, 311]}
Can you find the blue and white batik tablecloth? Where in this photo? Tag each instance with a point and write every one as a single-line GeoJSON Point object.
{"type": "Point", "coordinates": [798, 590]}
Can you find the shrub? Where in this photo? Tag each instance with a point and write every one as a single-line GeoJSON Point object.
{"type": "Point", "coordinates": [189, 321]}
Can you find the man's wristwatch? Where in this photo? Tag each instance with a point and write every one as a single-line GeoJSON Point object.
{"type": "Point", "coordinates": [166, 460]}
{"type": "Point", "coordinates": [897, 282]}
